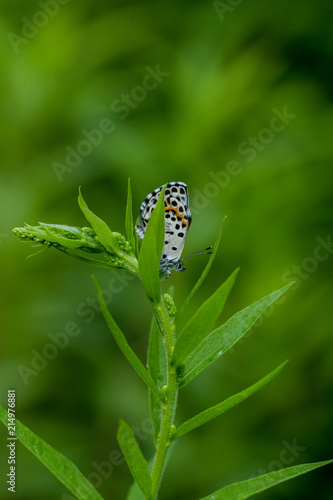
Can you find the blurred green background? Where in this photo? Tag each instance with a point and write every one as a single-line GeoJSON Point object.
{"type": "Point", "coordinates": [222, 73]}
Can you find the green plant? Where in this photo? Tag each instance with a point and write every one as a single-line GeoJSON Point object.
{"type": "Point", "coordinates": [173, 360]}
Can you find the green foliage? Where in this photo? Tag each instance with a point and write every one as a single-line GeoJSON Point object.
{"type": "Point", "coordinates": [151, 251]}
{"type": "Point", "coordinates": [249, 488]}
{"type": "Point", "coordinates": [225, 336]}
{"type": "Point", "coordinates": [157, 366]}
{"type": "Point", "coordinates": [113, 247]}
{"type": "Point", "coordinates": [206, 269]}
{"type": "Point", "coordinates": [208, 124]}
{"type": "Point", "coordinates": [201, 323]}
{"type": "Point", "coordinates": [134, 458]}
{"type": "Point", "coordinates": [229, 403]}
{"type": "Point", "coordinates": [62, 468]}
{"type": "Point", "coordinates": [114, 243]}
{"type": "Point", "coordinates": [102, 230]}
{"type": "Point", "coordinates": [60, 235]}
{"type": "Point", "coordinates": [172, 360]}
{"type": "Point", "coordinates": [122, 343]}
{"type": "Point", "coordinates": [135, 493]}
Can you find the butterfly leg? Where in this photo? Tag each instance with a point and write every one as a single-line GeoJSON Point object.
{"type": "Point", "coordinates": [180, 269]}
{"type": "Point", "coordinates": [168, 274]}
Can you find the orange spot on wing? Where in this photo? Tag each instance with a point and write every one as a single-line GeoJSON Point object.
{"type": "Point", "coordinates": [174, 209]}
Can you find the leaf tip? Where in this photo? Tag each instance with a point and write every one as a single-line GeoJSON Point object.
{"type": "Point", "coordinates": [97, 287]}
{"type": "Point", "coordinates": [122, 425]}
{"type": "Point", "coordinates": [283, 364]}
{"type": "Point", "coordinates": [80, 199]}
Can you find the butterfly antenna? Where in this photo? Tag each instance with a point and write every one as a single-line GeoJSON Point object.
{"type": "Point", "coordinates": [205, 251]}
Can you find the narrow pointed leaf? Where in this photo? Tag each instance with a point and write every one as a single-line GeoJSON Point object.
{"type": "Point", "coordinates": [201, 324]}
{"type": "Point", "coordinates": [60, 466]}
{"type": "Point", "coordinates": [129, 218]}
{"type": "Point", "coordinates": [134, 493]}
{"type": "Point", "coordinates": [134, 458]}
{"type": "Point", "coordinates": [249, 488]}
{"type": "Point", "coordinates": [122, 343]}
{"type": "Point", "coordinates": [225, 336]}
{"type": "Point", "coordinates": [88, 260]}
{"type": "Point", "coordinates": [226, 405]}
{"type": "Point", "coordinates": [100, 227]}
{"type": "Point", "coordinates": [151, 251]}
{"type": "Point", "coordinates": [204, 272]}
{"type": "Point", "coordinates": [157, 366]}
{"type": "Point", "coordinates": [63, 240]}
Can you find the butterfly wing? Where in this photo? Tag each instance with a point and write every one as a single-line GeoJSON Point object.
{"type": "Point", "coordinates": [146, 208]}
{"type": "Point", "coordinates": [177, 220]}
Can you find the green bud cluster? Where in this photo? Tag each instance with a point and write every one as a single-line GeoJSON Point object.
{"type": "Point", "coordinates": [124, 245]}
{"type": "Point", "coordinates": [59, 236]}
{"type": "Point", "coordinates": [115, 250]}
{"type": "Point", "coordinates": [68, 238]}
{"type": "Point", "coordinates": [170, 305]}
{"type": "Point", "coordinates": [115, 261]}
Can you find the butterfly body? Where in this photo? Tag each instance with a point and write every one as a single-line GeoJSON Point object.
{"type": "Point", "coordinates": [177, 223]}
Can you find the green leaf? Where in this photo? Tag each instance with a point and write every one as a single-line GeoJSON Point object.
{"type": "Point", "coordinates": [60, 234]}
{"type": "Point", "coordinates": [101, 229]}
{"type": "Point", "coordinates": [122, 343]}
{"type": "Point", "coordinates": [202, 322]}
{"type": "Point", "coordinates": [61, 240]}
{"type": "Point", "coordinates": [61, 467]}
{"type": "Point", "coordinates": [226, 405]}
{"type": "Point", "coordinates": [151, 251]}
{"type": "Point", "coordinates": [205, 271]}
{"type": "Point", "coordinates": [135, 493]}
{"type": "Point", "coordinates": [134, 458]}
{"type": "Point", "coordinates": [129, 218]}
{"type": "Point", "coordinates": [157, 366]}
{"type": "Point", "coordinates": [225, 336]}
{"type": "Point", "coordinates": [246, 489]}
{"type": "Point", "coordinates": [89, 260]}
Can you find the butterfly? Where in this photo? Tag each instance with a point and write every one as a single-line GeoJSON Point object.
{"type": "Point", "coordinates": [177, 223]}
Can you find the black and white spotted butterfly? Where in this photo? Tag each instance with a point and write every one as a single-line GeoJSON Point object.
{"type": "Point", "coordinates": [177, 223]}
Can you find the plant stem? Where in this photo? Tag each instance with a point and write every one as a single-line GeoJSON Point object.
{"type": "Point", "coordinates": [167, 327]}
